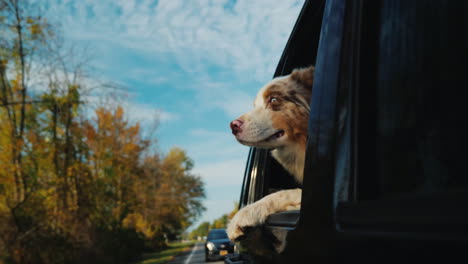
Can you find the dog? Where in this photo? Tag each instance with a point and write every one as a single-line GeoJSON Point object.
{"type": "Point", "coordinates": [278, 122]}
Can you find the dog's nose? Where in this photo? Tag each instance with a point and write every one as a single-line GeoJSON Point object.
{"type": "Point", "coordinates": [236, 126]}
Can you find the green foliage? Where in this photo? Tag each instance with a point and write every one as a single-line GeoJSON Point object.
{"type": "Point", "coordinates": [221, 222]}
{"type": "Point", "coordinates": [201, 231]}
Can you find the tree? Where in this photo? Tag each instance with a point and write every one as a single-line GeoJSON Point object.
{"type": "Point", "coordinates": [73, 188]}
{"type": "Point", "coordinates": [221, 222]}
{"type": "Point", "coordinates": [201, 231]}
{"type": "Point", "coordinates": [180, 193]}
{"type": "Point", "coordinates": [115, 148]}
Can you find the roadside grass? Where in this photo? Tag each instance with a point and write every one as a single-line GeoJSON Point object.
{"type": "Point", "coordinates": [166, 255]}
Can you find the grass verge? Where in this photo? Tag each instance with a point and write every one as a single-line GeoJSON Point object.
{"type": "Point", "coordinates": [166, 255]}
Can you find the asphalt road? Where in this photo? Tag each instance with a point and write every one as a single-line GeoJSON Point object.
{"type": "Point", "coordinates": [195, 256]}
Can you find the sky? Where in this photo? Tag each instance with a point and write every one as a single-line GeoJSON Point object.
{"type": "Point", "coordinates": [195, 64]}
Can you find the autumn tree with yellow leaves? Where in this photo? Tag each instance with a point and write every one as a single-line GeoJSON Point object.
{"type": "Point", "coordinates": [74, 188]}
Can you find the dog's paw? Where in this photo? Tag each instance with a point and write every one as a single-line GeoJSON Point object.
{"type": "Point", "coordinates": [249, 216]}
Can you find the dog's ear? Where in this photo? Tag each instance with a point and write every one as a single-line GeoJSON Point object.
{"type": "Point", "coordinates": [304, 76]}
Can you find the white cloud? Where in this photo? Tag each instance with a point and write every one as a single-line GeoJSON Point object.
{"type": "Point", "coordinates": [246, 37]}
{"type": "Point", "coordinates": [136, 112]}
{"type": "Point", "coordinates": [234, 103]}
{"type": "Point", "coordinates": [243, 39]}
{"type": "Point", "coordinates": [145, 112]}
{"type": "Point", "coordinates": [211, 147]}
{"type": "Point", "coordinates": [228, 172]}
{"type": "Point", "coordinates": [221, 160]}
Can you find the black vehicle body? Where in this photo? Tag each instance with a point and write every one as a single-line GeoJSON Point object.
{"type": "Point", "coordinates": [222, 246]}
{"type": "Point", "coordinates": [385, 179]}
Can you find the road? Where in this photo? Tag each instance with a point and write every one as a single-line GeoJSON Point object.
{"type": "Point", "coordinates": [195, 256]}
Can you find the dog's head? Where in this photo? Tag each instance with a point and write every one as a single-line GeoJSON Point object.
{"type": "Point", "coordinates": [280, 114]}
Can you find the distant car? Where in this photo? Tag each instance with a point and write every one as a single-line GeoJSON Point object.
{"type": "Point", "coordinates": [217, 245]}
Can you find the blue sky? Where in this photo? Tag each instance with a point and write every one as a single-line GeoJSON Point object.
{"type": "Point", "coordinates": [197, 64]}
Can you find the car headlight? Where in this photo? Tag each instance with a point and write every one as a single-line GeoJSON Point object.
{"type": "Point", "coordinates": [210, 245]}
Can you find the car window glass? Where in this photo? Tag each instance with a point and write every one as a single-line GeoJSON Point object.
{"type": "Point", "coordinates": [420, 116]}
{"type": "Point", "coordinates": [217, 235]}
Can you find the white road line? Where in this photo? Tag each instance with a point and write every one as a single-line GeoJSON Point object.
{"type": "Point", "coordinates": [187, 261]}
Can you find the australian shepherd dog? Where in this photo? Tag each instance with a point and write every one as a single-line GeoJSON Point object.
{"type": "Point", "coordinates": [278, 122]}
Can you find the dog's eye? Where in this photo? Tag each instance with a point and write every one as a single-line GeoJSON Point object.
{"type": "Point", "coordinates": [273, 100]}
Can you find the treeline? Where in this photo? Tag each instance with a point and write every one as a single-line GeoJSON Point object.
{"type": "Point", "coordinates": [202, 229]}
{"type": "Point", "coordinates": [77, 187]}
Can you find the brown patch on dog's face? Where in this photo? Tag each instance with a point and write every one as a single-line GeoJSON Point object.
{"type": "Point", "coordinates": [289, 105]}
{"type": "Point", "coordinates": [280, 114]}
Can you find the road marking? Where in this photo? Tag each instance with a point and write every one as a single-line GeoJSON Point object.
{"type": "Point", "coordinates": [187, 261]}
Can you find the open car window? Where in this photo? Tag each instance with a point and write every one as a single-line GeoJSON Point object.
{"type": "Point", "coordinates": [385, 156]}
